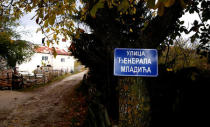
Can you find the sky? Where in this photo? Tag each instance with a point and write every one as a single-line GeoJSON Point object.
{"type": "Point", "coordinates": [28, 28]}
{"type": "Point", "coordinates": [28, 31]}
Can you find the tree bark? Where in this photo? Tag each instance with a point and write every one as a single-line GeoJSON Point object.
{"type": "Point", "coordinates": [154, 34]}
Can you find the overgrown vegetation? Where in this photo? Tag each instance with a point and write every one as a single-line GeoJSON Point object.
{"type": "Point", "coordinates": [56, 79]}
{"type": "Point", "coordinates": [178, 98]}
{"type": "Point", "coordinates": [12, 49]}
{"type": "Point", "coordinates": [14, 52]}
{"type": "Point", "coordinates": [178, 56]}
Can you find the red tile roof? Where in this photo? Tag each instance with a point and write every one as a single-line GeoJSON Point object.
{"type": "Point", "coordinates": [47, 50]}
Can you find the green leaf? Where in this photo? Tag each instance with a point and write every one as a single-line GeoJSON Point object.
{"type": "Point", "coordinates": [163, 0]}
{"type": "Point", "coordinates": [151, 3]}
{"type": "Point", "coordinates": [124, 5]}
{"type": "Point", "coordinates": [145, 25]}
{"type": "Point", "coordinates": [182, 22]}
{"type": "Point", "coordinates": [95, 8]}
{"type": "Point", "coordinates": [193, 39]}
{"type": "Point", "coordinates": [52, 20]}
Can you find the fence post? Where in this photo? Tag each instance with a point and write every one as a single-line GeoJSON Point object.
{"type": "Point", "coordinates": [22, 85]}
{"type": "Point", "coordinates": [13, 78]}
{"type": "Point", "coordinates": [35, 78]}
{"type": "Point", "coordinates": [7, 78]}
{"type": "Point", "coordinates": [44, 77]}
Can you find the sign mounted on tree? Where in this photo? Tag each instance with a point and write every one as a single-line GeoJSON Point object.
{"type": "Point", "coordinates": [135, 62]}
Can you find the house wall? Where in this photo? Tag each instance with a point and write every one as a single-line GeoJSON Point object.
{"type": "Point", "coordinates": [37, 60]}
{"type": "Point", "coordinates": [63, 62]}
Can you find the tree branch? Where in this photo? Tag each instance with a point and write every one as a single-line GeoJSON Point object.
{"type": "Point", "coordinates": [158, 29]}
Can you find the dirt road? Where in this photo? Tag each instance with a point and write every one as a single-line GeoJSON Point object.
{"type": "Point", "coordinates": [43, 107]}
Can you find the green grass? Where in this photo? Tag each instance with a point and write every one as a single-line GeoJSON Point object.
{"type": "Point", "coordinates": [33, 87]}
{"type": "Point", "coordinates": [57, 79]}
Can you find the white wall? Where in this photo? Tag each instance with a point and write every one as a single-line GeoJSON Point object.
{"type": "Point", "coordinates": [67, 64]}
{"type": "Point", "coordinates": [36, 59]}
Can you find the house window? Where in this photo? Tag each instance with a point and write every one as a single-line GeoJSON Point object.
{"type": "Point", "coordinates": [45, 58]}
{"type": "Point", "coordinates": [62, 59]}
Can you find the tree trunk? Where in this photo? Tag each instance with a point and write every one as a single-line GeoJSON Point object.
{"type": "Point", "coordinates": [134, 100]}
{"type": "Point", "coordinates": [134, 103]}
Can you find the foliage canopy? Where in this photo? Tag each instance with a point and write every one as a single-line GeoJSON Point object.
{"type": "Point", "coordinates": [58, 16]}
{"type": "Point", "coordinates": [14, 52]}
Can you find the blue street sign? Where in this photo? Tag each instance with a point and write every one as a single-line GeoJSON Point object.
{"type": "Point", "coordinates": [135, 62]}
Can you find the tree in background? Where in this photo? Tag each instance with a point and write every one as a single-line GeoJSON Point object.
{"type": "Point", "coordinates": [182, 55]}
{"type": "Point", "coordinates": [13, 50]}
{"type": "Point", "coordinates": [130, 25]}
{"type": "Point", "coordinates": [58, 16]}
{"type": "Point", "coordinates": [16, 52]}
{"type": "Point", "coordinates": [109, 29]}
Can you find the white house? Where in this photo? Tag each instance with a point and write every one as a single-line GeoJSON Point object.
{"type": "Point", "coordinates": [43, 57]}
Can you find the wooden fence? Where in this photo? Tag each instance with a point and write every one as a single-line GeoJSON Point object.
{"type": "Point", "coordinates": [11, 81]}
{"type": "Point", "coordinates": [6, 78]}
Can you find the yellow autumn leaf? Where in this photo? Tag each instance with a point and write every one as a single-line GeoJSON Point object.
{"type": "Point", "coordinates": [169, 3]}
{"type": "Point", "coordinates": [54, 52]}
{"type": "Point", "coordinates": [48, 30]}
{"type": "Point", "coordinates": [169, 69]}
{"type": "Point", "coordinates": [52, 20]}
{"type": "Point", "coordinates": [124, 5]}
{"type": "Point", "coordinates": [161, 9]}
{"type": "Point", "coordinates": [11, 41]}
{"type": "Point", "coordinates": [151, 4]}
{"type": "Point", "coordinates": [46, 1]}
{"type": "Point", "coordinates": [54, 36]}
{"type": "Point", "coordinates": [131, 30]}
{"type": "Point", "coordinates": [46, 23]}
{"type": "Point", "coordinates": [134, 10]}
{"type": "Point", "coordinates": [77, 35]}
{"type": "Point", "coordinates": [48, 43]}
{"type": "Point", "coordinates": [57, 31]}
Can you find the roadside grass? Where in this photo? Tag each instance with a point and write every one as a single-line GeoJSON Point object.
{"type": "Point", "coordinates": [56, 79]}
{"type": "Point", "coordinates": [78, 107]}
{"type": "Point", "coordinates": [33, 87]}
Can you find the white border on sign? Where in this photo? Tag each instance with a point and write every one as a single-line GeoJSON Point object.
{"type": "Point", "coordinates": [136, 75]}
